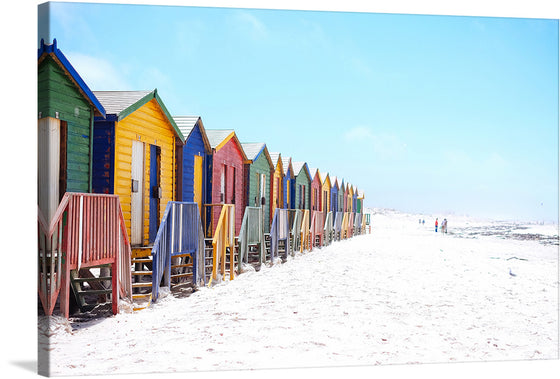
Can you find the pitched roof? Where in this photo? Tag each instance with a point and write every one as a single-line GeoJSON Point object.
{"type": "Point", "coordinates": [274, 157]}
{"type": "Point", "coordinates": [334, 180]}
{"type": "Point", "coordinates": [123, 103]}
{"type": "Point", "coordinates": [219, 137]}
{"type": "Point", "coordinates": [117, 101]}
{"type": "Point", "coordinates": [253, 150]}
{"type": "Point", "coordinates": [298, 166]}
{"type": "Point", "coordinates": [60, 58]}
{"type": "Point", "coordinates": [286, 162]}
{"type": "Point", "coordinates": [186, 125]}
{"type": "Point", "coordinates": [315, 171]}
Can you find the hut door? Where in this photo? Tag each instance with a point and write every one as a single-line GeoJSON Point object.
{"type": "Point", "coordinates": [48, 165]}
{"type": "Point", "coordinates": [230, 184]}
{"type": "Point", "coordinates": [197, 190]}
{"type": "Point", "coordinates": [155, 191]}
{"type": "Point", "coordinates": [136, 198]}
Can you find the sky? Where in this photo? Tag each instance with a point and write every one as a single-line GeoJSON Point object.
{"type": "Point", "coordinates": [424, 113]}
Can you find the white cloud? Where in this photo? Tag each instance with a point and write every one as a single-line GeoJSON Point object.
{"type": "Point", "coordinates": [250, 24]}
{"type": "Point", "coordinates": [98, 73]}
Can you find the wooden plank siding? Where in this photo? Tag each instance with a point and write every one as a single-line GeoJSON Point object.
{"type": "Point", "coordinates": [231, 156]}
{"type": "Point", "coordinates": [288, 184]}
{"type": "Point", "coordinates": [194, 145]}
{"type": "Point", "coordinates": [148, 124]}
{"type": "Point", "coordinates": [315, 191]}
{"type": "Point", "coordinates": [57, 93]}
{"type": "Point", "coordinates": [276, 196]}
{"type": "Point", "coordinates": [302, 185]}
{"type": "Point", "coordinates": [254, 169]}
{"type": "Point", "coordinates": [326, 194]}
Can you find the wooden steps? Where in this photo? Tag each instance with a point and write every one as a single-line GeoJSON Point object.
{"type": "Point", "coordinates": [90, 290]}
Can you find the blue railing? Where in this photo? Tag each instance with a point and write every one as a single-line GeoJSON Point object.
{"type": "Point", "coordinates": [178, 234]}
{"type": "Point", "coordinates": [279, 231]}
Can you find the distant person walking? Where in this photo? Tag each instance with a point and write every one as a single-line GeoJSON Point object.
{"type": "Point", "coordinates": [436, 224]}
{"type": "Point", "coordinates": [444, 226]}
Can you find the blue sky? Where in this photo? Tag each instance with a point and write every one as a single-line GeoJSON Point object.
{"type": "Point", "coordinates": [424, 113]}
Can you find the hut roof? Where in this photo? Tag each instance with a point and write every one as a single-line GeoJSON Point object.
{"type": "Point", "coordinates": [254, 150]}
{"type": "Point", "coordinates": [124, 103]}
{"type": "Point", "coordinates": [186, 125]}
{"type": "Point", "coordinates": [61, 60]}
{"type": "Point", "coordinates": [298, 166]}
{"type": "Point", "coordinates": [286, 163]}
{"type": "Point", "coordinates": [219, 137]}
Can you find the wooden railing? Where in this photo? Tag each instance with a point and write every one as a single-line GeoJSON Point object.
{"type": "Point", "coordinates": [305, 239]}
{"type": "Point", "coordinates": [296, 229]}
{"type": "Point", "coordinates": [338, 226]}
{"type": "Point", "coordinates": [328, 229]}
{"type": "Point", "coordinates": [178, 235]}
{"type": "Point", "coordinates": [86, 230]}
{"type": "Point", "coordinates": [224, 237]}
{"type": "Point", "coordinates": [358, 224]}
{"type": "Point", "coordinates": [317, 225]}
{"type": "Point", "coordinates": [279, 231]}
{"type": "Point", "coordinates": [344, 226]}
{"type": "Point", "coordinates": [251, 233]}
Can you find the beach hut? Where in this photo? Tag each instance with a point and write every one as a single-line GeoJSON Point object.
{"type": "Point", "coordinates": [302, 185]}
{"type": "Point", "coordinates": [258, 168]}
{"type": "Point", "coordinates": [225, 185]}
{"type": "Point", "coordinates": [315, 190]}
{"type": "Point", "coordinates": [134, 157]}
{"type": "Point", "coordinates": [360, 202]}
{"type": "Point", "coordinates": [66, 111]}
{"type": "Point", "coordinates": [348, 193]}
{"type": "Point", "coordinates": [334, 195]}
{"type": "Point", "coordinates": [355, 199]}
{"type": "Point", "coordinates": [341, 196]}
{"type": "Point", "coordinates": [192, 161]}
{"type": "Point", "coordinates": [326, 194]}
{"type": "Point", "coordinates": [288, 183]}
{"type": "Point", "coordinates": [276, 195]}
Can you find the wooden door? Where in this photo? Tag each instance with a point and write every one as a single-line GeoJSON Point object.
{"type": "Point", "coordinates": [155, 192]}
{"type": "Point", "coordinates": [136, 197]}
{"type": "Point", "coordinates": [197, 185]}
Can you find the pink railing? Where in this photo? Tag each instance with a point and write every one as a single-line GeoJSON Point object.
{"type": "Point", "coordinates": [317, 225]}
{"type": "Point", "coordinates": [86, 230]}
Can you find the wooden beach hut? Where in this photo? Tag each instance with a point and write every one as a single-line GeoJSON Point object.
{"type": "Point", "coordinates": [315, 192]}
{"type": "Point", "coordinates": [288, 183]}
{"type": "Point", "coordinates": [258, 168]}
{"type": "Point", "coordinates": [192, 161]}
{"type": "Point", "coordinates": [326, 194]}
{"type": "Point", "coordinates": [342, 196]}
{"type": "Point", "coordinates": [66, 111]}
{"type": "Point", "coordinates": [334, 195]}
{"type": "Point", "coordinates": [226, 182]}
{"type": "Point", "coordinates": [134, 157]}
{"type": "Point", "coordinates": [302, 185]}
{"type": "Point", "coordinates": [355, 199]}
{"type": "Point", "coordinates": [276, 193]}
{"type": "Point", "coordinates": [360, 202]}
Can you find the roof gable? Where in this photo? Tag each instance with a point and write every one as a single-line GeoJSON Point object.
{"type": "Point", "coordinates": [123, 103]}
{"type": "Point", "coordinates": [71, 72]}
{"type": "Point", "coordinates": [254, 150]}
{"type": "Point", "coordinates": [299, 167]}
{"type": "Point", "coordinates": [218, 138]}
{"type": "Point", "coordinates": [187, 124]}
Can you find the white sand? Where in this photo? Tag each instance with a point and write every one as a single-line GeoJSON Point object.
{"type": "Point", "coordinates": [402, 294]}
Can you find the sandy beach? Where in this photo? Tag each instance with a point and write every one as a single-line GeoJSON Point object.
{"type": "Point", "coordinates": [485, 291]}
